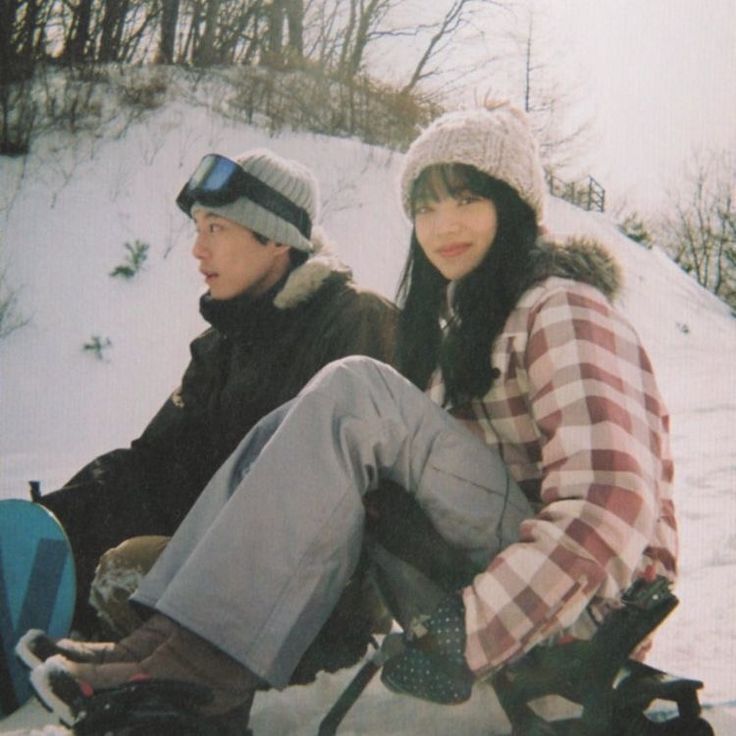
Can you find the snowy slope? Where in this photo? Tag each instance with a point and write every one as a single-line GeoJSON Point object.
{"type": "Point", "coordinates": [65, 213]}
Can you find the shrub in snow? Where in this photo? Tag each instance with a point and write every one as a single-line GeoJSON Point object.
{"type": "Point", "coordinates": [134, 260]}
{"type": "Point", "coordinates": [143, 92]}
{"type": "Point", "coordinates": [10, 317]}
{"type": "Point", "coordinates": [97, 346]}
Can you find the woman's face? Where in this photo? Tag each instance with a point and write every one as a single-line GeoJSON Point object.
{"type": "Point", "coordinates": [455, 230]}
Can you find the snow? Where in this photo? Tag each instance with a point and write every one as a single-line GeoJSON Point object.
{"type": "Point", "coordinates": [69, 207]}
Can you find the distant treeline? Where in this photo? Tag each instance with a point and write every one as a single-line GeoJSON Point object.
{"type": "Point", "coordinates": [333, 34]}
{"type": "Point", "coordinates": [327, 43]}
{"type": "Point", "coordinates": [199, 32]}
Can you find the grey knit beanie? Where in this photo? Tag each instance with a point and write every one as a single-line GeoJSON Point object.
{"type": "Point", "coordinates": [496, 139]}
{"type": "Point", "coordinates": [286, 176]}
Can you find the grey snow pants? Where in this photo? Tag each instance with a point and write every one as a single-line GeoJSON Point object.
{"type": "Point", "coordinates": [262, 557]}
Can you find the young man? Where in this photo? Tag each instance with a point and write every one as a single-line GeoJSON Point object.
{"type": "Point", "coordinates": [279, 307]}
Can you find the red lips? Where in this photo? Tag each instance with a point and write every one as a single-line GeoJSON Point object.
{"type": "Point", "coordinates": [453, 249]}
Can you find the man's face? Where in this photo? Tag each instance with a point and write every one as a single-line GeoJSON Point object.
{"type": "Point", "coordinates": [232, 260]}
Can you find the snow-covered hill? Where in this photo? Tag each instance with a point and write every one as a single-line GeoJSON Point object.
{"type": "Point", "coordinates": [69, 208]}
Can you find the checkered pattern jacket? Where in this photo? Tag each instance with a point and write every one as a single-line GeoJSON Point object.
{"type": "Point", "coordinates": [578, 419]}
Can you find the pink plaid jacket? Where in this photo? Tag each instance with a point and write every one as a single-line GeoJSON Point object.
{"type": "Point", "coordinates": [578, 419]}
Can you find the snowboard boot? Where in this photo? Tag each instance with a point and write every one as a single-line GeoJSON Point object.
{"type": "Point", "coordinates": [35, 646]}
{"type": "Point", "coordinates": [66, 686]}
{"type": "Point", "coordinates": [432, 666]}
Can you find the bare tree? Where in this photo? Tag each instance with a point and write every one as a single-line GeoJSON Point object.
{"type": "Point", "coordinates": [547, 102]}
{"type": "Point", "coordinates": [11, 318]}
{"type": "Point", "coordinates": [363, 22]}
{"type": "Point", "coordinates": [111, 31]}
{"type": "Point", "coordinates": [206, 52]}
{"type": "Point", "coordinates": [169, 23]}
{"type": "Point", "coordinates": [240, 39]}
{"type": "Point", "coordinates": [442, 34]}
{"type": "Point", "coordinates": [700, 232]}
{"type": "Point", "coordinates": [295, 23]}
{"type": "Point", "coordinates": [136, 31]}
{"type": "Point", "coordinates": [219, 32]}
{"type": "Point", "coordinates": [321, 35]}
{"type": "Point", "coordinates": [285, 15]}
{"type": "Point", "coordinates": [340, 33]}
{"type": "Point", "coordinates": [31, 38]}
{"type": "Point", "coordinates": [22, 38]}
{"type": "Point", "coordinates": [77, 45]}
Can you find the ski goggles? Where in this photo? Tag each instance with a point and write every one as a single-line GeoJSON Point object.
{"type": "Point", "coordinates": [219, 181]}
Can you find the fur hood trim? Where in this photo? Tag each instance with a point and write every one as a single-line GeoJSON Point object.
{"type": "Point", "coordinates": [580, 259]}
{"type": "Point", "coordinates": [305, 280]}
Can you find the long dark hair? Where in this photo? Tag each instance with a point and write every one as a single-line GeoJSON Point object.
{"type": "Point", "coordinates": [483, 299]}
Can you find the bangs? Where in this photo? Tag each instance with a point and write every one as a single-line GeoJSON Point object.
{"type": "Point", "coordinates": [442, 180]}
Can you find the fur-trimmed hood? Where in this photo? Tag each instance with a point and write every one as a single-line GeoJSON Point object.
{"type": "Point", "coordinates": [578, 258]}
{"type": "Point", "coordinates": [306, 279]}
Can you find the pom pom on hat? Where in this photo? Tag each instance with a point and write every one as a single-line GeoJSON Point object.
{"type": "Point", "coordinates": [495, 139]}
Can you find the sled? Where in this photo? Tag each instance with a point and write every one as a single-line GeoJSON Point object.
{"type": "Point", "coordinates": [37, 588]}
{"type": "Point", "coordinates": [614, 691]}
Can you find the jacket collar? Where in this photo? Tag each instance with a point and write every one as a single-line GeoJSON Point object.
{"type": "Point", "coordinates": [305, 280]}
{"type": "Point", "coordinates": [579, 259]}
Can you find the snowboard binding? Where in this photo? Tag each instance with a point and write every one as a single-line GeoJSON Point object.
{"type": "Point", "coordinates": [164, 708]}
{"type": "Point", "coordinates": [614, 691]}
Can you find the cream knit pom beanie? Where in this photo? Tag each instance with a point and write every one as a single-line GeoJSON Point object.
{"type": "Point", "coordinates": [496, 139]}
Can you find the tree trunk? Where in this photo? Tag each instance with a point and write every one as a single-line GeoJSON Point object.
{"type": "Point", "coordinates": [348, 35]}
{"type": "Point", "coordinates": [206, 53]}
{"type": "Point", "coordinates": [275, 31]}
{"type": "Point", "coordinates": [366, 20]}
{"type": "Point", "coordinates": [295, 20]}
{"type": "Point", "coordinates": [169, 20]}
{"type": "Point", "coordinates": [8, 54]}
{"type": "Point", "coordinates": [113, 23]}
{"type": "Point", "coordinates": [77, 44]}
{"type": "Point", "coordinates": [27, 51]}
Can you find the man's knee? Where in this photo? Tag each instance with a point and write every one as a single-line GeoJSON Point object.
{"type": "Point", "coordinates": [117, 577]}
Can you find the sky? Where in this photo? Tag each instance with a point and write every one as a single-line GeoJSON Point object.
{"type": "Point", "coordinates": [659, 78]}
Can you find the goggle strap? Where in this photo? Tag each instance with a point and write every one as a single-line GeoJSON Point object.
{"type": "Point", "coordinates": [272, 200]}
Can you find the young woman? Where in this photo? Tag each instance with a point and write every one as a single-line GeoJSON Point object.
{"type": "Point", "coordinates": [544, 453]}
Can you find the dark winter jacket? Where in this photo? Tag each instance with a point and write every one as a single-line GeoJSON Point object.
{"type": "Point", "coordinates": [257, 355]}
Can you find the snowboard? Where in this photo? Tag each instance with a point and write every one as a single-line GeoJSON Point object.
{"type": "Point", "coordinates": [37, 588]}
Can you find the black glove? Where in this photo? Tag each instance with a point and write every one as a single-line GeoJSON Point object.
{"type": "Point", "coordinates": [433, 666]}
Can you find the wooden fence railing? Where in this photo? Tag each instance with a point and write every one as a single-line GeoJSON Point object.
{"type": "Point", "coordinates": [588, 194]}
